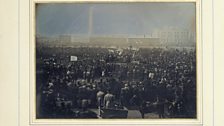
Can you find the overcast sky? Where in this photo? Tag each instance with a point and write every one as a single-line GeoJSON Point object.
{"type": "Point", "coordinates": [113, 19]}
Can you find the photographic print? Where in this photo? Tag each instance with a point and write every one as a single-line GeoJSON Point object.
{"type": "Point", "coordinates": [127, 60]}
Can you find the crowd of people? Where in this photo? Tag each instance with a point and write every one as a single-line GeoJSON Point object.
{"type": "Point", "coordinates": [113, 77]}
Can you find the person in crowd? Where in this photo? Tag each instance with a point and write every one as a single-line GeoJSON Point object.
{"type": "Point", "coordinates": [100, 100]}
{"type": "Point", "coordinates": [108, 100]}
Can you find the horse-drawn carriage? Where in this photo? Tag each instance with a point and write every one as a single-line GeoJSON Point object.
{"type": "Point", "coordinates": [114, 112]}
{"type": "Point", "coordinates": [162, 108]}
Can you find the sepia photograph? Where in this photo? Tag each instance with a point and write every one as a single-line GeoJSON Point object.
{"type": "Point", "coordinates": [118, 60]}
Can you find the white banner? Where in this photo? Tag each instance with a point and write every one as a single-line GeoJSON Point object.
{"type": "Point", "coordinates": [73, 58]}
